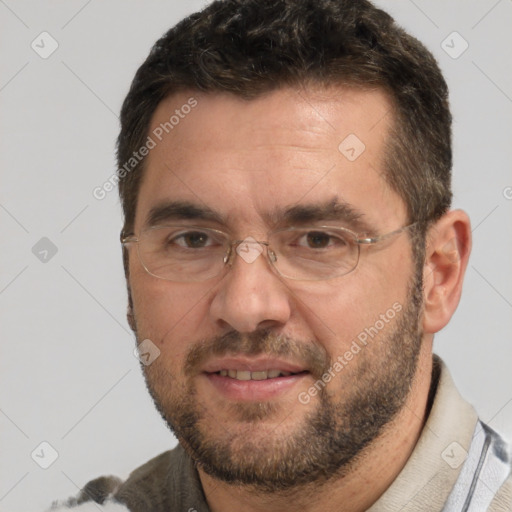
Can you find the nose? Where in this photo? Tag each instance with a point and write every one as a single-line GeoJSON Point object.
{"type": "Point", "coordinates": [250, 296]}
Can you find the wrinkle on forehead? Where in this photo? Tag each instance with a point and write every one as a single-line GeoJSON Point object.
{"type": "Point", "coordinates": [317, 114]}
{"type": "Point", "coordinates": [244, 158]}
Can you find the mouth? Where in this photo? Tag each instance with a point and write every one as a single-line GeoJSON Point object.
{"type": "Point", "coordinates": [245, 375]}
{"type": "Point", "coordinates": [253, 379]}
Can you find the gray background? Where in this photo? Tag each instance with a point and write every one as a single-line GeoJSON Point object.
{"type": "Point", "coordinates": [68, 374]}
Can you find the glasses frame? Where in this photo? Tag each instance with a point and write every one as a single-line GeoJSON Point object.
{"type": "Point", "coordinates": [271, 256]}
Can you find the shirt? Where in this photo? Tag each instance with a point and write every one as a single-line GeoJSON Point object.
{"type": "Point", "coordinates": [458, 464]}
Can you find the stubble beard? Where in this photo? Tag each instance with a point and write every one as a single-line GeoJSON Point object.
{"type": "Point", "coordinates": [331, 435]}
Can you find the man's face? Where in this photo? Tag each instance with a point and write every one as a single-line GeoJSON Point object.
{"type": "Point", "coordinates": [252, 164]}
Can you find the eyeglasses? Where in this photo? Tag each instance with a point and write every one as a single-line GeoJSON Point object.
{"type": "Point", "coordinates": [193, 253]}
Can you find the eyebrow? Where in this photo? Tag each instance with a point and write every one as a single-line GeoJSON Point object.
{"type": "Point", "coordinates": [297, 215]}
{"type": "Point", "coordinates": [180, 210]}
{"type": "Point", "coordinates": [334, 210]}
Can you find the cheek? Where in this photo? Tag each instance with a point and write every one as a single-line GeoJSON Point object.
{"type": "Point", "coordinates": [169, 314]}
{"type": "Point", "coordinates": [338, 312]}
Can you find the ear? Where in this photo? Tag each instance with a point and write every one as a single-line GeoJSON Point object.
{"type": "Point", "coordinates": [448, 246]}
{"type": "Point", "coordinates": [129, 312]}
{"type": "Point", "coordinates": [130, 317]}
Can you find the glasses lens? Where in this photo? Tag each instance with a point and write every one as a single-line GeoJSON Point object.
{"type": "Point", "coordinates": [182, 253]}
{"type": "Point", "coordinates": [312, 253]}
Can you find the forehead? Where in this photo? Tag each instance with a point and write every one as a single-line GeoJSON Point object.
{"type": "Point", "coordinates": [246, 159]}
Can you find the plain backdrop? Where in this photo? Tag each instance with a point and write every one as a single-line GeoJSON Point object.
{"type": "Point", "coordinates": [68, 374]}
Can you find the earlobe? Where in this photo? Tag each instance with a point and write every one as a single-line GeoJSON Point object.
{"type": "Point", "coordinates": [447, 252]}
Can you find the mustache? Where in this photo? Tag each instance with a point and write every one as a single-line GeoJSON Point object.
{"type": "Point", "coordinates": [310, 355]}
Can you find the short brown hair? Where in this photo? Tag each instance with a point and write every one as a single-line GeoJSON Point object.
{"type": "Point", "coordinates": [249, 47]}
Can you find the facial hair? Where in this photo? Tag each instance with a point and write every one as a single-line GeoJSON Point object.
{"type": "Point", "coordinates": [332, 434]}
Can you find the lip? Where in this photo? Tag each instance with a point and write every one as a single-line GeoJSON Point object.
{"type": "Point", "coordinates": [252, 364]}
{"type": "Point", "coordinates": [253, 390]}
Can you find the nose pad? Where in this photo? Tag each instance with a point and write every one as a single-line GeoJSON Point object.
{"type": "Point", "coordinates": [228, 257]}
{"type": "Point", "coordinates": [272, 255]}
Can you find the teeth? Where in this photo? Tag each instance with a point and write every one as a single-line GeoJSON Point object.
{"type": "Point", "coordinates": [247, 375]}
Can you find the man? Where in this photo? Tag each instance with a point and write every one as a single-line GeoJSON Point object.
{"type": "Point", "coordinates": [284, 170]}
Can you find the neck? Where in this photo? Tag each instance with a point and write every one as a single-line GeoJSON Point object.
{"type": "Point", "coordinates": [365, 481]}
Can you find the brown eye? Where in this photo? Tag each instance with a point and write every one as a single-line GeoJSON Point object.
{"type": "Point", "coordinates": [318, 240]}
{"type": "Point", "coordinates": [322, 240]}
{"type": "Point", "coordinates": [194, 239]}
